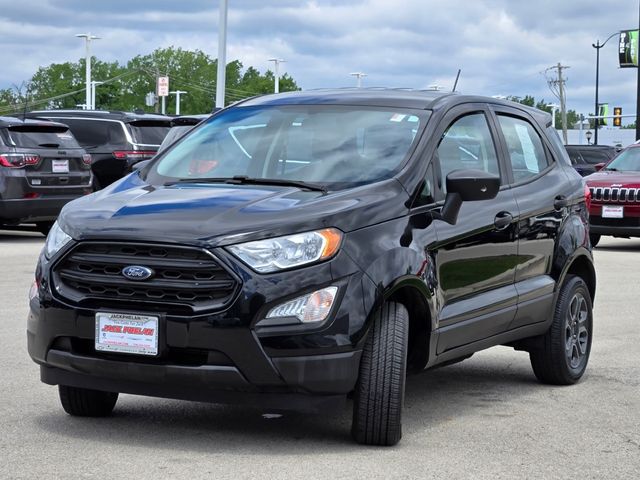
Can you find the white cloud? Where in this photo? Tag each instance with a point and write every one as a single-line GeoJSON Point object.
{"type": "Point", "coordinates": [501, 45]}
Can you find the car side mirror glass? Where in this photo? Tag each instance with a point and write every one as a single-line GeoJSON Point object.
{"type": "Point", "coordinates": [467, 186]}
{"type": "Point", "coordinates": [599, 166]}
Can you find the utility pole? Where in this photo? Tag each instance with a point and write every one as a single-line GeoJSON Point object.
{"type": "Point", "coordinates": [638, 86]}
{"type": "Point", "coordinates": [277, 62]}
{"type": "Point", "coordinates": [359, 76]}
{"type": "Point", "coordinates": [222, 54]}
{"type": "Point", "coordinates": [556, 85]}
{"type": "Point", "coordinates": [178, 93]}
{"type": "Point", "coordinates": [87, 38]}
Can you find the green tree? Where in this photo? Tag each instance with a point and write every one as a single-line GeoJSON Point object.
{"type": "Point", "coordinates": [126, 86]}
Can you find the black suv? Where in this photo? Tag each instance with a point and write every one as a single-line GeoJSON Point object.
{"type": "Point", "coordinates": [115, 140]}
{"type": "Point", "coordinates": [297, 248]}
{"type": "Point", "coordinates": [584, 158]}
{"type": "Point", "coordinates": [42, 167]}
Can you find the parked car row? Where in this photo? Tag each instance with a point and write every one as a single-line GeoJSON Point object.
{"type": "Point", "coordinates": [49, 157]}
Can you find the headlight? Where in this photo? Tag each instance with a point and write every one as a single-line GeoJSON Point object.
{"type": "Point", "coordinates": [291, 251]}
{"type": "Point", "coordinates": [313, 307]}
{"type": "Point", "coordinates": [56, 239]}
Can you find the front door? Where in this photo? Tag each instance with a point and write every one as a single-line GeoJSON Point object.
{"type": "Point", "coordinates": [476, 258]}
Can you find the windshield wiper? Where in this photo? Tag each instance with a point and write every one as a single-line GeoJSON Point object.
{"type": "Point", "coordinates": [612, 169]}
{"type": "Point", "coordinates": [244, 180]}
{"type": "Point", "coordinates": [49, 145]}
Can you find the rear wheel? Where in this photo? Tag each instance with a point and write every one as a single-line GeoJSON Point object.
{"type": "Point", "coordinates": [594, 239]}
{"type": "Point", "coordinates": [82, 402]}
{"type": "Point", "coordinates": [379, 393]}
{"type": "Point", "coordinates": [566, 346]}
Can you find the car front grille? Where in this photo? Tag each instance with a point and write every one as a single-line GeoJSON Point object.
{"type": "Point", "coordinates": [185, 279]}
{"type": "Point", "coordinates": [614, 194]}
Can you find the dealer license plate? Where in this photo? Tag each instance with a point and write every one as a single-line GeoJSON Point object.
{"type": "Point", "coordinates": [60, 166]}
{"type": "Point", "coordinates": [126, 333]}
{"type": "Point", "coordinates": [612, 211]}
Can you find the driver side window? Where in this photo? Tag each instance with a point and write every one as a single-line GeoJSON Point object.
{"type": "Point", "coordinates": [467, 144]}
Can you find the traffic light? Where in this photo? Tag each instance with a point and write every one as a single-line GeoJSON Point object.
{"type": "Point", "coordinates": [617, 116]}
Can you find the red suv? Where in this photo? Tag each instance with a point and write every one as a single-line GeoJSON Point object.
{"type": "Point", "coordinates": [615, 197]}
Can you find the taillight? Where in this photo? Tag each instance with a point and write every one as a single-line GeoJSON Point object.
{"type": "Point", "coordinates": [19, 160]}
{"type": "Point", "coordinates": [587, 196]}
{"type": "Point", "coordinates": [133, 154]}
{"type": "Point", "coordinates": [86, 159]}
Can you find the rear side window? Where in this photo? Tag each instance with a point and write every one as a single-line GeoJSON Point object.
{"type": "Point", "coordinates": [94, 133]}
{"type": "Point", "coordinates": [32, 136]}
{"type": "Point", "coordinates": [467, 144]}
{"type": "Point", "coordinates": [594, 157]}
{"type": "Point", "coordinates": [149, 132]}
{"type": "Point", "coordinates": [526, 151]}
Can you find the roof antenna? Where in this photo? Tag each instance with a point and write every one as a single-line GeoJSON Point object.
{"type": "Point", "coordinates": [456, 82]}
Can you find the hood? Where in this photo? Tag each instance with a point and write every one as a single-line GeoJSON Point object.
{"type": "Point", "coordinates": [606, 178]}
{"type": "Point", "coordinates": [222, 214]}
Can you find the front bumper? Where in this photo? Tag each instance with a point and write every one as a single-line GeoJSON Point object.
{"type": "Point", "coordinates": [628, 226]}
{"type": "Point", "coordinates": [218, 357]}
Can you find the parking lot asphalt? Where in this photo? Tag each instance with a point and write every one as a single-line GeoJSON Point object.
{"type": "Point", "coordinates": [486, 417]}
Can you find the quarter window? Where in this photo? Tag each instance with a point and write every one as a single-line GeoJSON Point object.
{"type": "Point", "coordinates": [467, 144]}
{"type": "Point", "coordinates": [526, 151]}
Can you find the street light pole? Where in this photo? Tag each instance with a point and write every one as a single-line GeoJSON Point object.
{"type": "Point", "coordinates": [277, 62]}
{"type": "Point", "coordinates": [88, 37]}
{"type": "Point", "coordinates": [93, 93]}
{"type": "Point", "coordinates": [596, 112]}
{"type": "Point", "coordinates": [222, 54]}
{"type": "Point", "coordinates": [554, 109]}
{"type": "Point", "coordinates": [178, 93]}
{"type": "Point", "coordinates": [359, 76]}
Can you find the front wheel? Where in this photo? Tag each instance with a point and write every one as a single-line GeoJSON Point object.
{"type": "Point", "coordinates": [379, 393]}
{"type": "Point", "coordinates": [566, 346]}
{"type": "Point", "coordinates": [82, 402]}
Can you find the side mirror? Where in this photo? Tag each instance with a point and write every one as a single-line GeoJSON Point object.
{"type": "Point", "coordinates": [599, 166]}
{"type": "Point", "coordinates": [467, 186]}
{"type": "Point", "coordinates": [139, 165]}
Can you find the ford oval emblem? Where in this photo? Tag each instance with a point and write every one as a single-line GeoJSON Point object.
{"type": "Point", "coordinates": [137, 272]}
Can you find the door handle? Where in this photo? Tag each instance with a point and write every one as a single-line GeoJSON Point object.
{"type": "Point", "coordinates": [502, 220]}
{"type": "Point", "coordinates": [560, 202]}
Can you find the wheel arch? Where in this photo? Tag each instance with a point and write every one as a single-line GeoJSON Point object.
{"type": "Point", "coordinates": [412, 293]}
{"type": "Point", "coordinates": [581, 264]}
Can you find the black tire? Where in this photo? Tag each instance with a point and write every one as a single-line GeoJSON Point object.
{"type": "Point", "coordinates": [567, 344]}
{"type": "Point", "coordinates": [379, 393]}
{"type": "Point", "coordinates": [82, 402]}
{"type": "Point", "coordinates": [44, 227]}
{"type": "Point", "coordinates": [594, 238]}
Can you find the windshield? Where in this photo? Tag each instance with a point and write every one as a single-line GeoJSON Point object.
{"type": "Point", "coordinates": [28, 136]}
{"type": "Point", "coordinates": [149, 133]}
{"type": "Point", "coordinates": [336, 146]}
{"type": "Point", "coordinates": [627, 160]}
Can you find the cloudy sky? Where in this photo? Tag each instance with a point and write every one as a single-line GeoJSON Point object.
{"type": "Point", "coordinates": [502, 46]}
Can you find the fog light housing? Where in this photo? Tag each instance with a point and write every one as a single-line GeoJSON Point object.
{"type": "Point", "coordinates": [311, 308]}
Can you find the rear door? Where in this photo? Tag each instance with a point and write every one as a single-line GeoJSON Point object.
{"type": "Point", "coordinates": [543, 192]}
{"type": "Point", "coordinates": [476, 258]}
